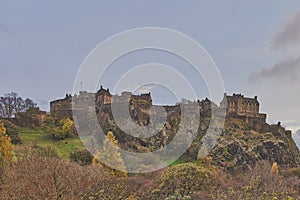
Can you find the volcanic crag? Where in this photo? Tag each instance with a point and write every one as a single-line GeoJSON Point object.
{"type": "Point", "coordinates": [245, 138]}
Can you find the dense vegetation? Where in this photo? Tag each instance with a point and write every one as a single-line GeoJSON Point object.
{"type": "Point", "coordinates": [42, 175]}
{"type": "Point", "coordinates": [50, 162]}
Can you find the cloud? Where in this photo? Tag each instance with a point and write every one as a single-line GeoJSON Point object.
{"type": "Point", "coordinates": [288, 70]}
{"type": "Point", "coordinates": [146, 88]}
{"type": "Point", "coordinates": [289, 35]}
{"type": "Point", "coordinates": [296, 137]}
{"type": "Point", "coordinates": [44, 105]}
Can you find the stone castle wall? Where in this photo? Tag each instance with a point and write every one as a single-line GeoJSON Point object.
{"type": "Point", "coordinates": [33, 117]}
{"type": "Point", "coordinates": [61, 108]}
{"type": "Point", "coordinates": [139, 107]}
{"type": "Point", "coordinates": [242, 106]}
{"type": "Point", "coordinates": [235, 105]}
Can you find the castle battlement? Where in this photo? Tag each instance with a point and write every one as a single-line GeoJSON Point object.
{"type": "Point", "coordinates": [63, 107]}
{"type": "Point", "coordinates": [237, 104]}
{"type": "Point", "coordinates": [242, 106]}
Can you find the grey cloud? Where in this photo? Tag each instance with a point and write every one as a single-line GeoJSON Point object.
{"type": "Point", "coordinates": [289, 36]}
{"type": "Point", "coordinates": [44, 105]}
{"type": "Point", "coordinates": [42, 102]}
{"type": "Point", "coordinates": [288, 70]}
{"type": "Point", "coordinates": [296, 138]}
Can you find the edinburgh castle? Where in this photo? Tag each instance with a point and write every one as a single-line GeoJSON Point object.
{"type": "Point", "coordinates": [236, 104]}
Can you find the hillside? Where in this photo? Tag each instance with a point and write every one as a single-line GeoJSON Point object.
{"type": "Point", "coordinates": [239, 166]}
{"type": "Point", "coordinates": [245, 138]}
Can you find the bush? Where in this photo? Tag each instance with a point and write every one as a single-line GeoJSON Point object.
{"type": "Point", "coordinates": [6, 148]}
{"type": "Point", "coordinates": [257, 183]}
{"type": "Point", "coordinates": [83, 157]}
{"type": "Point", "coordinates": [61, 129]}
{"type": "Point", "coordinates": [12, 132]}
{"type": "Point", "coordinates": [182, 180]}
{"type": "Point", "coordinates": [38, 174]}
{"type": "Point", "coordinates": [37, 178]}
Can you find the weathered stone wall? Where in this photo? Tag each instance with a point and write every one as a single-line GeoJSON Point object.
{"type": "Point", "coordinates": [61, 108]}
{"type": "Point", "coordinates": [242, 106]}
{"type": "Point", "coordinates": [33, 117]}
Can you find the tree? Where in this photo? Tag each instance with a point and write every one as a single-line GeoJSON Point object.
{"type": "Point", "coordinates": [11, 103]}
{"type": "Point", "coordinates": [54, 178]}
{"type": "Point", "coordinates": [61, 129]}
{"type": "Point", "coordinates": [111, 155]}
{"type": "Point", "coordinates": [49, 124]}
{"type": "Point", "coordinates": [65, 129]}
{"type": "Point", "coordinates": [28, 103]}
{"type": "Point", "coordinates": [48, 178]}
{"type": "Point", "coordinates": [183, 179]}
{"type": "Point", "coordinates": [6, 147]}
{"type": "Point", "coordinates": [12, 132]}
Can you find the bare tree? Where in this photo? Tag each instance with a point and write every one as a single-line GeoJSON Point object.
{"type": "Point", "coordinates": [28, 103]}
{"type": "Point", "coordinates": [11, 103]}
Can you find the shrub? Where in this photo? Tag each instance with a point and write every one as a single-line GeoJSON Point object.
{"type": "Point", "coordinates": [257, 183]}
{"type": "Point", "coordinates": [110, 155]}
{"type": "Point", "coordinates": [182, 179]}
{"type": "Point", "coordinates": [61, 129]}
{"type": "Point", "coordinates": [6, 148]}
{"type": "Point", "coordinates": [37, 178]}
{"type": "Point", "coordinates": [83, 157]}
{"type": "Point", "coordinates": [12, 132]}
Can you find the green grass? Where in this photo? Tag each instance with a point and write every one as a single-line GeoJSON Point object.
{"type": "Point", "coordinates": [37, 137]}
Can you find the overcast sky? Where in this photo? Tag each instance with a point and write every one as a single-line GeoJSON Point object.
{"type": "Point", "coordinates": [254, 44]}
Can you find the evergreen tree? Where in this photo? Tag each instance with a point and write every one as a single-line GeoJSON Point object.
{"type": "Point", "coordinates": [6, 147]}
{"type": "Point", "coordinates": [111, 155]}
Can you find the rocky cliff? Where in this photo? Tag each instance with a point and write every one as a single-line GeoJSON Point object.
{"type": "Point", "coordinates": [241, 141]}
{"type": "Point", "coordinates": [241, 144]}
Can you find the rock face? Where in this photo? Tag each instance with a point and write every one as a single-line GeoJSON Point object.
{"type": "Point", "coordinates": [245, 138]}
{"type": "Point", "coordinates": [240, 146]}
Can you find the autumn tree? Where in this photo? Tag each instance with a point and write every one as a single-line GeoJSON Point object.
{"type": "Point", "coordinates": [110, 155]}
{"type": "Point", "coordinates": [6, 147]}
{"type": "Point", "coordinates": [61, 129]}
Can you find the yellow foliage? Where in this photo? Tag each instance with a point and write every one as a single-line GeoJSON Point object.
{"type": "Point", "coordinates": [111, 155]}
{"type": "Point", "coordinates": [67, 126]}
{"type": "Point", "coordinates": [274, 170]}
{"type": "Point", "coordinates": [6, 147]}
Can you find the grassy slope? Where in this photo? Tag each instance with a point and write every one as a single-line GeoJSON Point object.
{"type": "Point", "coordinates": [37, 137]}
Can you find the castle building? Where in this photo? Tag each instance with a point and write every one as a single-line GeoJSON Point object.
{"type": "Point", "coordinates": [103, 97]}
{"type": "Point", "coordinates": [206, 105]}
{"type": "Point", "coordinates": [242, 106]}
{"type": "Point", "coordinates": [33, 117]}
{"type": "Point", "coordinates": [139, 105]}
{"type": "Point", "coordinates": [61, 108]}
